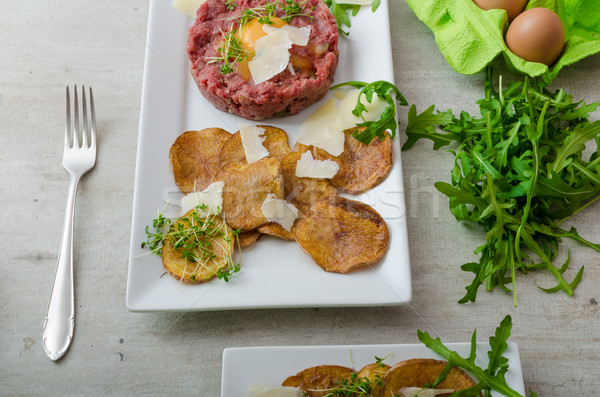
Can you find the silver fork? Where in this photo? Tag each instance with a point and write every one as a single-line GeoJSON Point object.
{"type": "Point", "coordinates": [77, 160]}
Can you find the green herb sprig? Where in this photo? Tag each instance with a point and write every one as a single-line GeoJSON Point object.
{"type": "Point", "coordinates": [231, 51]}
{"type": "Point", "coordinates": [387, 121]}
{"type": "Point", "coordinates": [491, 378]}
{"type": "Point", "coordinates": [340, 13]}
{"type": "Point", "coordinates": [519, 172]}
{"type": "Point", "coordinates": [357, 386]}
{"type": "Point", "coordinates": [193, 236]}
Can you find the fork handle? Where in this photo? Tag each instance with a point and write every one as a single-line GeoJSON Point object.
{"type": "Point", "coordinates": [60, 316]}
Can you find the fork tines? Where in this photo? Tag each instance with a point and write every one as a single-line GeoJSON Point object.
{"type": "Point", "coordinates": [72, 132]}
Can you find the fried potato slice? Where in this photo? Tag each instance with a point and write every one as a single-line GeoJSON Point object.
{"type": "Point", "coordinates": [302, 192]}
{"type": "Point", "coordinates": [375, 373]}
{"type": "Point", "coordinates": [362, 167]}
{"type": "Point", "coordinates": [342, 234]}
{"type": "Point", "coordinates": [194, 158]}
{"type": "Point", "coordinates": [318, 381]}
{"type": "Point", "coordinates": [419, 372]}
{"type": "Point", "coordinates": [275, 229]}
{"type": "Point", "coordinates": [276, 143]}
{"type": "Point", "coordinates": [245, 190]}
{"type": "Point", "coordinates": [248, 238]}
{"type": "Point", "coordinates": [216, 254]}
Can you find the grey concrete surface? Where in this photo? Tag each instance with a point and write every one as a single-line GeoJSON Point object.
{"type": "Point", "coordinates": [47, 45]}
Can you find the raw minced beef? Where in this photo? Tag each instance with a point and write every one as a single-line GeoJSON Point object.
{"type": "Point", "coordinates": [284, 94]}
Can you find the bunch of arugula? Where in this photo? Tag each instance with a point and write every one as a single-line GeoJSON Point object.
{"type": "Point", "coordinates": [491, 378]}
{"type": "Point", "coordinates": [519, 172]}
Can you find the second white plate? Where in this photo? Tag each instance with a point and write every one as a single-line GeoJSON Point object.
{"type": "Point", "coordinates": [243, 366]}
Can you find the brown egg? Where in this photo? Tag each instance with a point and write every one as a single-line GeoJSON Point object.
{"type": "Point", "coordinates": [536, 35]}
{"type": "Point", "coordinates": [512, 7]}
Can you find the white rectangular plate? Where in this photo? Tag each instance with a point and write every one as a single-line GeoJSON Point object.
{"type": "Point", "coordinates": [243, 366]}
{"type": "Point", "coordinates": [275, 273]}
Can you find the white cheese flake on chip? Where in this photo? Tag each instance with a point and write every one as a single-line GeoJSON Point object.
{"type": "Point", "coordinates": [299, 36]}
{"type": "Point", "coordinates": [319, 129]}
{"type": "Point", "coordinates": [345, 117]}
{"type": "Point", "coordinates": [211, 198]}
{"type": "Point", "coordinates": [308, 167]}
{"type": "Point", "coordinates": [188, 7]}
{"type": "Point", "coordinates": [325, 127]}
{"type": "Point", "coordinates": [271, 56]}
{"type": "Point", "coordinates": [279, 211]}
{"type": "Point", "coordinates": [356, 2]}
{"type": "Point", "coordinates": [421, 392]}
{"type": "Point", "coordinates": [252, 141]}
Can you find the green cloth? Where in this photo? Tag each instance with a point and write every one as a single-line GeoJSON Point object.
{"type": "Point", "coordinates": [471, 38]}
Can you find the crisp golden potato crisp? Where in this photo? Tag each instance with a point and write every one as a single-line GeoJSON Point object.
{"type": "Point", "coordinates": [207, 265]}
{"type": "Point", "coordinates": [245, 190]}
{"type": "Point", "coordinates": [195, 158]}
{"type": "Point", "coordinates": [302, 192]}
{"type": "Point", "coordinates": [275, 229]}
{"type": "Point", "coordinates": [374, 373]}
{"type": "Point", "coordinates": [276, 143]}
{"type": "Point", "coordinates": [419, 372]}
{"type": "Point", "coordinates": [342, 234]}
{"type": "Point", "coordinates": [317, 381]}
{"type": "Point", "coordinates": [248, 238]}
{"type": "Point", "coordinates": [362, 167]}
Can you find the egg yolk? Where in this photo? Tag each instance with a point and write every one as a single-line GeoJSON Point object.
{"type": "Point", "coordinates": [253, 31]}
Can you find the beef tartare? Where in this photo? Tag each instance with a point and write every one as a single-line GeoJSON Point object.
{"type": "Point", "coordinates": [221, 50]}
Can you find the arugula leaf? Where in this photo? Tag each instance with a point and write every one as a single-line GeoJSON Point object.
{"type": "Point", "coordinates": [491, 378]}
{"type": "Point", "coordinates": [387, 120]}
{"type": "Point", "coordinates": [425, 122]}
{"type": "Point", "coordinates": [519, 171]}
{"type": "Point", "coordinates": [340, 12]}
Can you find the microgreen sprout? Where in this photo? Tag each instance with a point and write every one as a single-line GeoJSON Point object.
{"type": "Point", "coordinates": [195, 237]}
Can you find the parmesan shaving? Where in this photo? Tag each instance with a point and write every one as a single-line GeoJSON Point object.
{"type": "Point", "coordinates": [356, 2]}
{"type": "Point", "coordinates": [188, 7]}
{"type": "Point", "coordinates": [260, 390]}
{"type": "Point", "coordinates": [325, 127]}
{"type": "Point", "coordinates": [319, 129]}
{"type": "Point", "coordinates": [308, 167]}
{"type": "Point", "coordinates": [279, 211]}
{"type": "Point", "coordinates": [345, 119]}
{"type": "Point", "coordinates": [271, 56]}
{"type": "Point", "coordinates": [422, 392]}
{"type": "Point", "coordinates": [211, 198]}
{"type": "Point", "coordinates": [252, 142]}
{"type": "Point", "coordinates": [299, 36]}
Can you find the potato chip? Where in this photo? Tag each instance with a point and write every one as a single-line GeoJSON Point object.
{"type": "Point", "coordinates": [374, 373]}
{"type": "Point", "coordinates": [246, 187]}
{"type": "Point", "coordinates": [318, 381]}
{"type": "Point", "coordinates": [302, 192]}
{"type": "Point", "coordinates": [362, 167]}
{"type": "Point", "coordinates": [195, 158]}
{"type": "Point", "coordinates": [217, 254]}
{"type": "Point", "coordinates": [248, 238]}
{"type": "Point", "coordinates": [276, 143]}
{"type": "Point", "coordinates": [342, 235]}
{"type": "Point", "coordinates": [419, 372]}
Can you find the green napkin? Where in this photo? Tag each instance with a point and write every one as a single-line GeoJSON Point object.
{"type": "Point", "coordinates": [471, 38]}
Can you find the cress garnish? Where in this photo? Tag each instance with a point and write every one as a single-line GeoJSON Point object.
{"type": "Point", "coordinates": [193, 235]}
{"type": "Point", "coordinates": [232, 50]}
